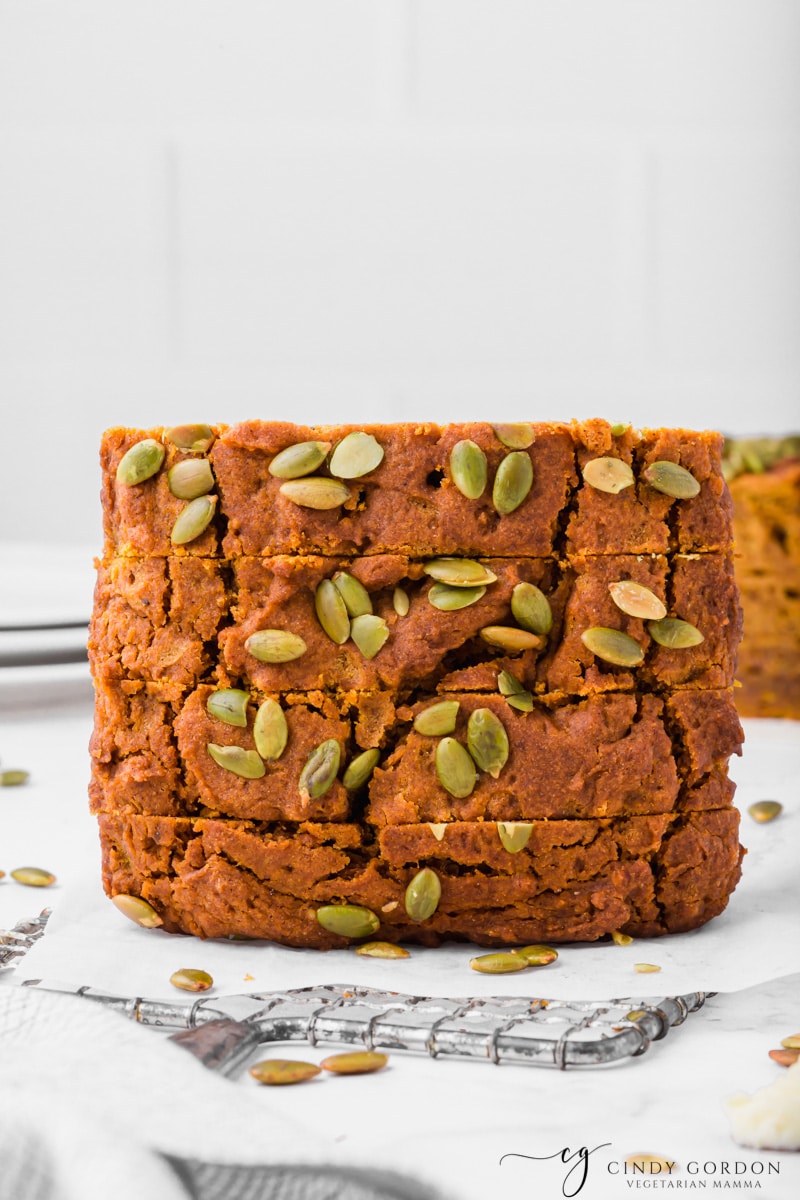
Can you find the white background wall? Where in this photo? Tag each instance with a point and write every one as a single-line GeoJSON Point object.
{"type": "Point", "coordinates": [387, 209]}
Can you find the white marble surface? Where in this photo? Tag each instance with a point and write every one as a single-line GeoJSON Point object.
{"type": "Point", "coordinates": [447, 1122]}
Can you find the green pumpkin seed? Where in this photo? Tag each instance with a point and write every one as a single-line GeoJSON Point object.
{"type": "Point", "coordinates": [468, 469]}
{"type": "Point", "coordinates": [792, 1042]}
{"type": "Point", "coordinates": [522, 701]}
{"type": "Point", "coordinates": [513, 641]}
{"type": "Point", "coordinates": [13, 778]}
{"type": "Point", "coordinates": [369, 633]}
{"type": "Point", "coordinates": [140, 462]}
{"type": "Point", "coordinates": [531, 608]}
{"type": "Point", "coordinates": [188, 979]}
{"type": "Point", "coordinates": [423, 895]}
{"type": "Point", "coordinates": [245, 763]}
{"type": "Point", "coordinates": [765, 810]}
{"type": "Point", "coordinates": [319, 774]}
{"type": "Point", "coordinates": [455, 769]}
{"type": "Point", "coordinates": [360, 769]}
{"type": "Point", "coordinates": [190, 478]}
{"type": "Point", "coordinates": [275, 646]}
{"type": "Point", "coordinates": [449, 599]}
{"type": "Point", "coordinates": [514, 692]}
{"type": "Point", "coordinates": [514, 835]}
{"type": "Point", "coordinates": [137, 910]}
{"type": "Point", "coordinates": [487, 741]}
{"type": "Point", "coordinates": [621, 939]}
{"type": "Point", "coordinates": [608, 475]}
{"type": "Point", "coordinates": [674, 633]}
{"type": "Point", "coordinates": [356, 597]}
{"type": "Point", "coordinates": [671, 480]}
{"type": "Point", "coordinates": [438, 829]}
{"type": "Point", "coordinates": [619, 429]}
{"type": "Point", "coordinates": [301, 459]}
{"type": "Point", "coordinates": [612, 645]}
{"type": "Point", "coordinates": [437, 719]}
{"type": "Point", "coordinates": [636, 600]}
{"type": "Point", "coordinates": [356, 1062]}
{"type": "Point", "coordinates": [382, 950]}
{"type": "Point", "coordinates": [331, 612]}
{"type": "Point", "coordinates": [229, 705]}
{"type": "Point", "coordinates": [315, 491]}
{"type": "Point", "coordinates": [512, 482]}
{"type": "Point", "coordinates": [33, 877]}
{"type": "Point", "coordinates": [459, 572]}
{"type": "Point", "coordinates": [279, 1072]}
{"type": "Point", "coordinates": [193, 520]}
{"type": "Point", "coordinates": [348, 920]}
{"type": "Point", "coordinates": [400, 602]}
{"type": "Point", "coordinates": [516, 437]}
{"type": "Point", "coordinates": [645, 968]}
{"type": "Point", "coordinates": [537, 956]}
{"type": "Point", "coordinates": [356, 454]}
{"type": "Point", "coordinates": [502, 963]}
{"type": "Point", "coordinates": [270, 731]}
{"type": "Point", "coordinates": [193, 439]}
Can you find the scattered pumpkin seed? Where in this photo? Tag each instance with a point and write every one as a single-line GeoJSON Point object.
{"type": "Point", "coordinates": [33, 877]}
{"type": "Point", "coordinates": [612, 645]}
{"type": "Point", "coordinates": [275, 645]}
{"type": "Point", "coordinates": [348, 920]}
{"type": "Point", "coordinates": [468, 469]}
{"type": "Point", "coordinates": [298, 460]}
{"type": "Point", "coordinates": [278, 1072]}
{"type": "Point", "coordinates": [449, 599]}
{"type": "Point", "coordinates": [512, 482]}
{"type": "Point", "coordinates": [437, 719]}
{"type": "Point", "coordinates": [356, 454]}
{"type": "Point", "coordinates": [455, 769]}
{"type": "Point", "coordinates": [537, 956]}
{"type": "Point", "coordinates": [193, 439]}
{"type": "Point", "coordinates": [229, 705]}
{"type": "Point", "coordinates": [438, 829]}
{"type": "Point", "coordinates": [765, 810]}
{"type": "Point", "coordinates": [514, 692]}
{"type": "Point", "coordinates": [514, 835]}
{"type": "Point", "coordinates": [620, 428]}
{"type": "Point", "coordinates": [531, 608]}
{"type": "Point", "coordinates": [636, 600]}
{"type": "Point", "coordinates": [188, 979]}
{"type": "Point", "coordinates": [522, 701]}
{"type": "Point", "coordinates": [422, 895]}
{"type": "Point", "coordinates": [792, 1042]}
{"type": "Point", "coordinates": [382, 950]}
{"type": "Point", "coordinates": [487, 741]}
{"type": "Point", "coordinates": [369, 633]}
{"type": "Point", "coordinates": [459, 572]}
{"type": "Point", "coordinates": [621, 939]}
{"type": "Point", "coordinates": [137, 910]}
{"type": "Point", "coordinates": [193, 519]}
{"type": "Point", "coordinates": [608, 475]}
{"type": "Point", "coordinates": [501, 963]}
{"type": "Point", "coordinates": [786, 1058]}
{"type": "Point", "coordinates": [400, 602]}
{"type": "Point", "coordinates": [270, 730]}
{"type": "Point", "coordinates": [355, 596]}
{"type": "Point", "coordinates": [671, 480]}
{"type": "Point", "coordinates": [674, 633]}
{"type": "Point", "coordinates": [645, 968]}
{"type": "Point", "coordinates": [514, 641]}
{"type": "Point", "coordinates": [321, 769]}
{"type": "Point", "coordinates": [516, 436]}
{"type": "Point", "coordinates": [360, 769]}
{"type": "Point", "coordinates": [13, 778]}
{"type": "Point", "coordinates": [140, 462]}
{"type": "Point", "coordinates": [356, 1062]}
{"type": "Point", "coordinates": [190, 478]}
{"type": "Point", "coordinates": [332, 612]}
{"type": "Point", "coordinates": [315, 491]}
{"type": "Point", "coordinates": [245, 763]}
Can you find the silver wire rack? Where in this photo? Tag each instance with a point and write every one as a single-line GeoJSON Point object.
{"type": "Point", "coordinates": [224, 1031]}
{"type": "Point", "coordinates": [17, 941]}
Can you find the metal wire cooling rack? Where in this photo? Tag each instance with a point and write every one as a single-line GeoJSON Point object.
{"type": "Point", "coordinates": [17, 941]}
{"type": "Point", "coordinates": [223, 1031]}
